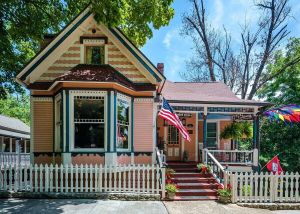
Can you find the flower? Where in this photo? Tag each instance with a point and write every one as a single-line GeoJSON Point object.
{"type": "Point", "coordinates": [220, 186]}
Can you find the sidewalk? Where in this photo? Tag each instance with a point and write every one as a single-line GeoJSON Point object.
{"type": "Point", "coordinates": [90, 206]}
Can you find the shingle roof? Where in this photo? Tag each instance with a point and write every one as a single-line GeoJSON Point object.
{"type": "Point", "coordinates": [13, 127]}
{"type": "Point", "coordinates": [97, 73]}
{"type": "Point", "coordinates": [206, 92]}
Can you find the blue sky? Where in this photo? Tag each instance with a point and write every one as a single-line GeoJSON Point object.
{"type": "Point", "coordinates": [169, 47]}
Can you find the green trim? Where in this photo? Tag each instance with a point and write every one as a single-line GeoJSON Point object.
{"type": "Point", "coordinates": [115, 121]}
{"type": "Point", "coordinates": [67, 121]}
{"type": "Point", "coordinates": [108, 120]}
{"type": "Point", "coordinates": [204, 131]}
{"type": "Point", "coordinates": [61, 40]}
{"type": "Point", "coordinates": [132, 120]}
{"type": "Point", "coordinates": [136, 55]}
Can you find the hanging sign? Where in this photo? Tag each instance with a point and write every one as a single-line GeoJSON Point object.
{"type": "Point", "coordinates": [180, 114]}
{"type": "Point", "coordinates": [242, 117]}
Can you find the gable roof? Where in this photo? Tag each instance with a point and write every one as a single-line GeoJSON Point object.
{"type": "Point", "coordinates": [13, 127]}
{"type": "Point", "coordinates": [204, 92]}
{"type": "Point", "coordinates": [68, 30]}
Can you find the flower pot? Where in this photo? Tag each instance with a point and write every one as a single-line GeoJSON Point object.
{"type": "Point", "coordinates": [224, 199]}
{"type": "Point", "coordinates": [171, 195]}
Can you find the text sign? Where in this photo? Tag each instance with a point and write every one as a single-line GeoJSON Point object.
{"type": "Point", "coordinates": [94, 41]}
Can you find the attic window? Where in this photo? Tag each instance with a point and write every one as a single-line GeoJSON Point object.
{"type": "Point", "coordinates": [94, 55]}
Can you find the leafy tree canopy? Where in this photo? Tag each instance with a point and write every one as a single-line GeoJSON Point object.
{"type": "Point", "coordinates": [17, 107]}
{"type": "Point", "coordinates": [280, 138]}
{"type": "Point", "coordinates": [24, 22]}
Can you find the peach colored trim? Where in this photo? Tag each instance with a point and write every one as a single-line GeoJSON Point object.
{"type": "Point", "coordinates": [58, 68]}
{"type": "Point", "coordinates": [116, 56]}
{"type": "Point", "coordinates": [71, 55]}
{"type": "Point", "coordinates": [74, 49]}
{"type": "Point", "coordinates": [119, 62]}
{"type": "Point", "coordinates": [69, 61]}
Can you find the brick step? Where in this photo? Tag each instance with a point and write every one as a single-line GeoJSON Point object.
{"type": "Point", "coordinates": [187, 169]}
{"type": "Point", "coordinates": [198, 186]}
{"type": "Point", "coordinates": [191, 175]}
{"type": "Point", "coordinates": [195, 198]}
{"type": "Point", "coordinates": [196, 192]}
{"type": "Point", "coordinates": [194, 180]}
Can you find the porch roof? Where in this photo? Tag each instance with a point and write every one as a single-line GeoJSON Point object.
{"type": "Point", "coordinates": [13, 127]}
{"type": "Point", "coordinates": [204, 92]}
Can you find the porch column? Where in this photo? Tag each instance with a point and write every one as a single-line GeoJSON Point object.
{"type": "Point", "coordinates": [255, 141]}
{"type": "Point", "coordinates": [204, 131]}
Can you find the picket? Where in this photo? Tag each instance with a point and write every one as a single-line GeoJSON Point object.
{"type": "Point", "coordinates": [83, 178]}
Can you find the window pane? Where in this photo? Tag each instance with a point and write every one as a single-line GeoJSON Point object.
{"type": "Point", "coordinates": [122, 137]}
{"type": "Point", "coordinates": [89, 135]}
{"type": "Point", "coordinates": [6, 145]}
{"type": "Point", "coordinates": [123, 112]}
{"type": "Point", "coordinates": [27, 146]}
{"type": "Point", "coordinates": [95, 55]}
{"type": "Point", "coordinates": [88, 109]}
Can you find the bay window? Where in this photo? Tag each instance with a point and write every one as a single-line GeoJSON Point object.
{"type": "Point", "coordinates": [123, 123]}
{"type": "Point", "coordinates": [88, 120]}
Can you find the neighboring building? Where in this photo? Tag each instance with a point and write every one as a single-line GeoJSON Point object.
{"type": "Point", "coordinates": [95, 98]}
{"type": "Point", "coordinates": [12, 132]}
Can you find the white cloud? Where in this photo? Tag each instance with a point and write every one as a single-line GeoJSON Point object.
{"type": "Point", "coordinates": [218, 14]}
{"type": "Point", "coordinates": [169, 37]}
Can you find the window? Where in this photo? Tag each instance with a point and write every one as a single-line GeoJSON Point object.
{"type": "Point", "coordinates": [173, 136]}
{"type": "Point", "coordinates": [212, 135]}
{"type": "Point", "coordinates": [94, 55]}
{"type": "Point", "coordinates": [123, 124]}
{"type": "Point", "coordinates": [58, 124]}
{"type": "Point", "coordinates": [6, 145]}
{"type": "Point", "coordinates": [89, 122]}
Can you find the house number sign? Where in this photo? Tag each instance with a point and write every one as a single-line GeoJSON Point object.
{"type": "Point", "coordinates": [94, 41]}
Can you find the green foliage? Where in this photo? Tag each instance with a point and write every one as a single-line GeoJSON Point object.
{"type": "Point", "coordinates": [237, 131]}
{"type": "Point", "coordinates": [170, 171]}
{"type": "Point", "coordinates": [224, 192]}
{"type": "Point", "coordinates": [277, 137]}
{"type": "Point", "coordinates": [204, 169]}
{"type": "Point", "coordinates": [23, 24]}
{"type": "Point", "coordinates": [17, 107]}
{"type": "Point", "coordinates": [246, 190]}
{"type": "Point", "coordinates": [171, 187]}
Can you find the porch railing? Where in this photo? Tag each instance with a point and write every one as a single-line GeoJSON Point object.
{"type": "Point", "coordinates": [14, 158]}
{"type": "Point", "coordinates": [241, 157]}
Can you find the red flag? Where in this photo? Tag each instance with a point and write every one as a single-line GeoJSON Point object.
{"type": "Point", "coordinates": [274, 165]}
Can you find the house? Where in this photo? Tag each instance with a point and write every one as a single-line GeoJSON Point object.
{"type": "Point", "coordinates": [14, 140]}
{"type": "Point", "coordinates": [95, 98]}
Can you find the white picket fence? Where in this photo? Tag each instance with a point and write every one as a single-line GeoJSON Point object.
{"type": "Point", "coordinates": [83, 178]}
{"type": "Point", "coordinates": [265, 187]}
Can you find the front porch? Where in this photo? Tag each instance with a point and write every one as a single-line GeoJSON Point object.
{"type": "Point", "coordinates": [205, 124]}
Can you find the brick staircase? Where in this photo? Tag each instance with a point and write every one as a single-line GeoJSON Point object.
{"type": "Point", "coordinates": [192, 185]}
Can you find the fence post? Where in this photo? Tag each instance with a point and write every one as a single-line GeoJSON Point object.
{"type": "Point", "coordinates": [163, 182]}
{"type": "Point", "coordinates": [233, 184]}
{"type": "Point", "coordinates": [255, 157]}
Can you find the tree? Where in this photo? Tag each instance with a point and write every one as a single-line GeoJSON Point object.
{"type": "Point", "coordinates": [243, 71]}
{"type": "Point", "coordinates": [24, 22]}
{"type": "Point", "coordinates": [17, 107]}
{"type": "Point", "coordinates": [277, 137]}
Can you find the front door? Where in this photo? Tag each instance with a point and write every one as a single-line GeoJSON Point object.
{"type": "Point", "coordinates": [173, 144]}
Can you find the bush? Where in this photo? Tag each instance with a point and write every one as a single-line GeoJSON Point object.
{"type": "Point", "coordinates": [204, 169]}
{"type": "Point", "coordinates": [171, 188]}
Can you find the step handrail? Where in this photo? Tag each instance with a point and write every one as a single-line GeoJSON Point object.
{"type": "Point", "coordinates": [218, 170]}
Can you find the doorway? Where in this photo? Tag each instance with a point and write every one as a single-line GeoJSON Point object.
{"type": "Point", "coordinates": [173, 144]}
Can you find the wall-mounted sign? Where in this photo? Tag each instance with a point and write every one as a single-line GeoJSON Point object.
{"type": "Point", "coordinates": [242, 117]}
{"type": "Point", "coordinates": [190, 126]}
{"type": "Point", "coordinates": [180, 114]}
{"type": "Point", "coordinates": [93, 40]}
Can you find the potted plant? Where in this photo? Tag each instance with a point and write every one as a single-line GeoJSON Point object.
{"type": "Point", "coordinates": [185, 156]}
{"type": "Point", "coordinates": [203, 168]}
{"type": "Point", "coordinates": [224, 194]}
{"type": "Point", "coordinates": [171, 189]}
{"type": "Point", "coordinates": [169, 173]}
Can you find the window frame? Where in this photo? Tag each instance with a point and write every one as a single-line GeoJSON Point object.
{"type": "Point", "coordinates": [94, 45]}
{"type": "Point", "coordinates": [217, 135]}
{"type": "Point", "coordinates": [73, 94]}
{"type": "Point", "coordinates": [128, 100]}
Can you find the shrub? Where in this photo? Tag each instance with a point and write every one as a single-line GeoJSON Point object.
{"type": "Point", "coordinates": [204, 169]}
{"type": "Point", "coordinates": [171, 187]}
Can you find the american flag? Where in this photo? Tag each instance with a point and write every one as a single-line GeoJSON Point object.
{"type": "Point", "coordinates": [166, 112]}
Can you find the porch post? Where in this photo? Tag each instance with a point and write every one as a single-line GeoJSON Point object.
{"type": "Point", "coordinates": [255, 141]}
{"type": "Point", "coordinates": [204, 134]}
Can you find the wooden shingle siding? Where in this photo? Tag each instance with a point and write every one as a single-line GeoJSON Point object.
{"type": "Point", "coordinates": [71, 57]}
{"type": "Point", "coordinates": [143, 126]}
{"type": "Point", "coordinates": [43, 125]}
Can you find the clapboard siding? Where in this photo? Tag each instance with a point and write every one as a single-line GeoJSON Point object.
{"type": "Point", "coordinates": [43, 126]}
{"type": "Point", "coordinates": [143, 126]}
